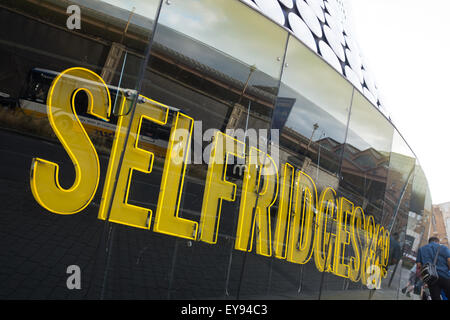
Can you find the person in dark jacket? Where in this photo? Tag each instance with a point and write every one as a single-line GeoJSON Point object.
{"type": "Point", "coordinates": [427, 254]}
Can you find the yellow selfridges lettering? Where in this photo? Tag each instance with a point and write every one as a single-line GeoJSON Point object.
{"type": "Point", "coordinates": [323, 238]}
{"type": "Point", "coordinates": [45, 178]}
{"type": "Point", "coordinates": [217, 187]}
{"type": "Point", "coordinates": [332, 230]}
{"type": "Point", "coordinates": [385, 243]}
{"type": "Point", "coordinates": [259, 192]}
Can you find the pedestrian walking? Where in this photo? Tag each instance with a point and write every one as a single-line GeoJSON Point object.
{"type": "Point", "coordinates": [439, 255]}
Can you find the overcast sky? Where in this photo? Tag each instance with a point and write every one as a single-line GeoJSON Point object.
{"type": "Point", "coordinates": [406, 44]}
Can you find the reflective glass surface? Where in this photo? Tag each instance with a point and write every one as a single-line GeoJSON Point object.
{"type": "Point", "coordinates": [311, 116]}
{"type": "Point", "coordinates": [193, 149]}
{"type": "Point", "coordinates": [397, 205]}
{"type": "Point", "coordinates": [218, 98]}
{"type": "Point", "coordinates": [364, 173]}
{"type": "Point", "coordinates": [64, 71]}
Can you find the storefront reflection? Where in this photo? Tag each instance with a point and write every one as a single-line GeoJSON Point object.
{"type": "Point", "coordinates": [199, 189]}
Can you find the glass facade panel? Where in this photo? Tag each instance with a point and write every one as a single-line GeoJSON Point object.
{"type": "Point", "coordinates": [64, 70]}
{"type": "Point", "coordinates": [218, 97]}
{"type": "Point", "coordinates": [311, 116]}
{"type": "Point", "coordinates": [365, 161]}
{"type": "Point", "coordinates": [193, 149]}
{"type": "Point", "coordinates": [315, 102]}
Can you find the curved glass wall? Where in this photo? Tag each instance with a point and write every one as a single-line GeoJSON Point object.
{"type": "Point", "coordinates": [193, 150]}
{"type": "Point", "coordinates": [64, 69]}
{"type": "Point", "coordinates": [417, 225]}
{"type": "Point", "coordinates": [311, 117]}
{"type": "Point", "coordinates": [224, 94]}
{"type": "Point", "coordinates": [396, 207]}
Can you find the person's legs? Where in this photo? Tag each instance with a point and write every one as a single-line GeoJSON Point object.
{"type": "Point", "coordinates": [435, 291]}
{"type": "Point", "coordinates": [441, 284]}
{"type": "Point", "coordinates": [445, 285]}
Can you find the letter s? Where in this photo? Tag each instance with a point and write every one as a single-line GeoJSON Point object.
{"type": "Point", "coordinates": [44, 175]}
